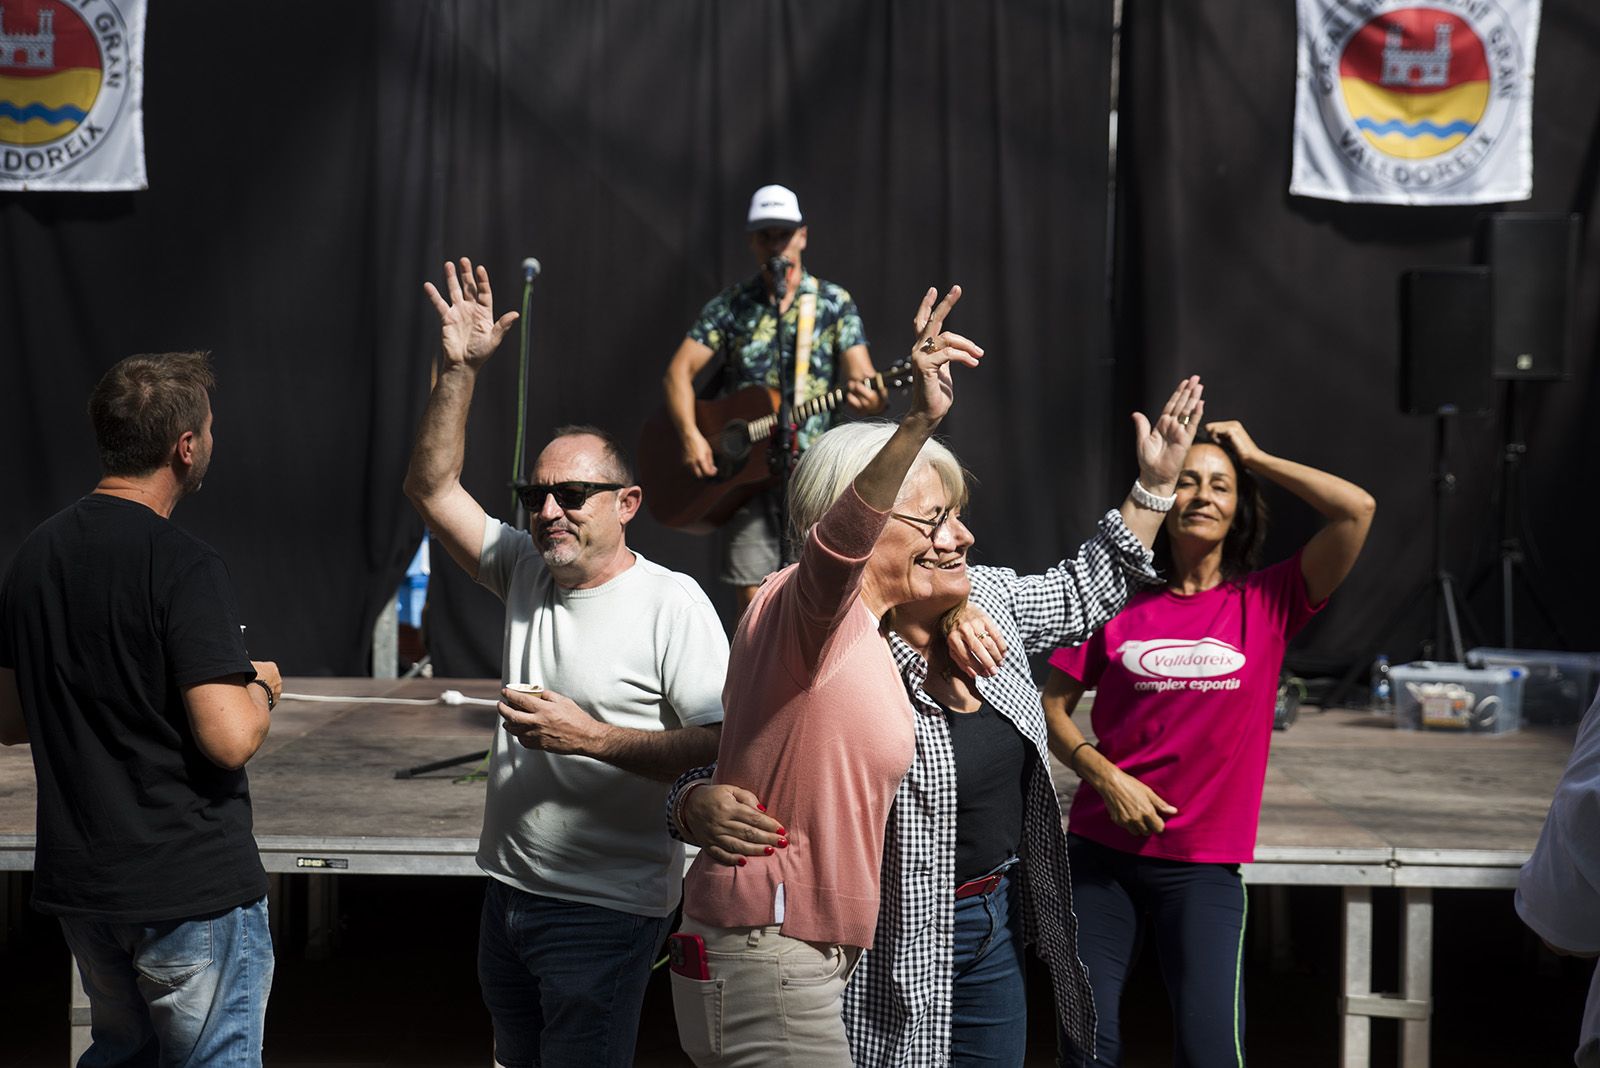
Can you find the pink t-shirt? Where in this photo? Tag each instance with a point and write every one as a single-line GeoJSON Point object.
{"type": "Point", "coordinates": [1185, 688]}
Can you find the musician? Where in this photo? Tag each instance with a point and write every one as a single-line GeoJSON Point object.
{"type": "Point", "coordinates": [738, 323]}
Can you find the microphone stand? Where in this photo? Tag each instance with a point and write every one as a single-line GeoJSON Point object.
{"type": "Point", "coordinates": [781, 459]}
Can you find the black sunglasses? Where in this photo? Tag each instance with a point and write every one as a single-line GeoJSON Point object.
{"type": "Point", "coordinates": [567, 494]}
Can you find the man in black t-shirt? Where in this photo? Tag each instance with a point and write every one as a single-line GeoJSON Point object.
{"type": "Point", "coordinates": [122, 662]}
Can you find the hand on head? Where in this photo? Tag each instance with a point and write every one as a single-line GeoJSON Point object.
{"type": "Point", "coordinates": [1160, 448]}
{"type": "Point", "coordinates": [468, 328]}
{"type": "Point", "coordinates": [1231, 434]}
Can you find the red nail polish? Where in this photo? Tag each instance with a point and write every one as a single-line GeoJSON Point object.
{"type": "Point", "coordinates": [760, 807]}
{"type": "Point", "coordinates": [782, 831]}
{"type": "Point", "coordinates": [768, 850]}
{"type": "Point", "coordinates": [783, 843]}
{"type": "Point", "coordinates": [741, 862]}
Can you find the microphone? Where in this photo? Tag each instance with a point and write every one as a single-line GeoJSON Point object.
{"type": "Point", "coordinates": [778, 268]}
{"type": "Point", "coordinates": [530, 269]}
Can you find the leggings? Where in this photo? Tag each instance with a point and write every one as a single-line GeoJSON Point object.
{"type": "Point", "coordinates": [1196, 913]}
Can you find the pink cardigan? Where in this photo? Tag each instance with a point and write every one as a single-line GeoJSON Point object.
{"type": "Point", "coordinates": [817, 724]}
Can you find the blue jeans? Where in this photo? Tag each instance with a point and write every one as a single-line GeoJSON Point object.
{"type": "Point", "coordinates": [179, 992]}
{"type": "Point", "coordinates": [563, 981]}
{"type": "Point", "coordinates": [1196, 913]}
{"type": "Point", "coordinates": [989, 998]}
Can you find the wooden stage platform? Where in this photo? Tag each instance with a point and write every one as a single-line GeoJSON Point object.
{"type": "Point", "coordinates": [1350, 802]}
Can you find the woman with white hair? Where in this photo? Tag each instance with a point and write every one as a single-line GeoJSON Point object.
{"type": "Point", "coordinates": [816, 719]}
{"type": "Point", "coordinates": [974, 859]}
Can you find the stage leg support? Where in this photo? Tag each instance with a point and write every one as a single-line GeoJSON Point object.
{"type": "Point", "coordinates": [1416, 941]}
{"type": "Point", "coordinates": [322, 916]}
{"type": "Point", "coordinates": [1355, 1034]}
{"type": "Point", "coordinates": [1413, 1007]}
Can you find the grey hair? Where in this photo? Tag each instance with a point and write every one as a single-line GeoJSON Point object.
{"type": "Point", "coordinates": [835, 459]}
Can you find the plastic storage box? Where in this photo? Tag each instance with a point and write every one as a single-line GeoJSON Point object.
{"type": "Point", "coordinates": [1455, 697]}
{"type": "Point", "coordinates": [1560, 686]}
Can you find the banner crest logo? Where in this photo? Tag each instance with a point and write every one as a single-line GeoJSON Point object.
{"type": "Point", "coordinates": [1417, 102]}
{"type": "Point", "coordinates": [68, 75]}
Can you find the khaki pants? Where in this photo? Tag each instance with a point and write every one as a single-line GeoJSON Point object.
{"type": "Point", "coordinates": [770, 1001]}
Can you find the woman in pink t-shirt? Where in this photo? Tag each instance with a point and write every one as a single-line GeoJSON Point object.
{"type": "Point", "coordinates": [1186, 678]}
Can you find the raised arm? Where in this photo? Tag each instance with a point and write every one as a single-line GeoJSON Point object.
{"type": "Point", "coordinates": [469, 333]}
{"type": "Point", "coordinates": [1160, 448]}
{"type": "Point", "coordinates": [1332, 551]}
{"type": "Point", "coordinates": [678, 384]}
{"type": "Point", "coordinates": [1072, 600]}
{"type": "Point", "coordinates": [833, 570]}
{"type": "Point", "coordinates": [932, 394]}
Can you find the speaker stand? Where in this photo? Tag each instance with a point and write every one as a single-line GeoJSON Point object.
{"type": "Point", "coordinates": [1511, 562]}
{"type": "Point", "coordinates": [1439, 590]}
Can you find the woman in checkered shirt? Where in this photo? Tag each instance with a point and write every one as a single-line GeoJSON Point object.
{"type": "Point", "coordinates": [975, 861]}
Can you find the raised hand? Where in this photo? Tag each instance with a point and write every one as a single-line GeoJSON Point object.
{"type": "Point", "coordinates": [1160, 448]}
{"type": "Point", "coordinates": [936, 350]}
{"type": "Point", "coordinates": [930, 317]}
{"type": "Point", "coordinates": [468, 329]}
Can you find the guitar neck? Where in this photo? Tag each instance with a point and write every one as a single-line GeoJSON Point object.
{"type": "Point", "coordinates": [761, 429]}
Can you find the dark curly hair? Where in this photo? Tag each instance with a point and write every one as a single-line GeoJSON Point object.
{"type": "Point", "coordinates": [1241, 546]}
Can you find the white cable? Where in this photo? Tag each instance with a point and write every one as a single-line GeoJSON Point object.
{"type": "Point", "coordinates": [449, 697]}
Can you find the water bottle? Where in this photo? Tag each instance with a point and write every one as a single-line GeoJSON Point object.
{"type": "Point", "coordinates": [1382, 686]}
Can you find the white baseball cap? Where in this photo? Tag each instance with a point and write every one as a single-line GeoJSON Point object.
{"type": "Point", "coordinates": [774, 206]}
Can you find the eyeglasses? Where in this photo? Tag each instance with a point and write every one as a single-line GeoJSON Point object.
{"type": "Point", "coordinates": [567, 494]}
{"type": "Point", "coordinates": [931, 526]}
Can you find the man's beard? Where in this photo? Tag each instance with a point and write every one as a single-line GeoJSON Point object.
{"type": "Point", "coordinates": [194, 478]}
{"type": "Point", "coordinates": [560, 554]}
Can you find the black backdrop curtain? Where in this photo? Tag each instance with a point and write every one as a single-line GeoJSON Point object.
{"type": "Point", "coordinates": [1288, 307]}
{"type": "Point", "coordinates": [304, 184]}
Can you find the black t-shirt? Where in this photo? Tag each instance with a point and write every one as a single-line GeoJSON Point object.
{"type": "Point", "coordinates": [107, 612]}
{"type": "Point", "coordinates": [992, 764]}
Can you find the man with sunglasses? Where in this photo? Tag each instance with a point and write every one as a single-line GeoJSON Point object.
{"type": "Point", "coordinates": [622, 662]}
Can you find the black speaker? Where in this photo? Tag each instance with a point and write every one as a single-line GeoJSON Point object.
{"type": "Point", "coordinates": [1444, 341]}
{"type": "Point", "coordinates": [1533, 259]}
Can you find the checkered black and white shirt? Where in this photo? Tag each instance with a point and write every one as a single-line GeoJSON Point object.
{"type": "Point", "coordinates": [897, 1006]}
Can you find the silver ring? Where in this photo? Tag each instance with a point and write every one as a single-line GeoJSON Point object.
{"type": "Point", "coordinates": [1184, 422]}
{"type": "Point", "coordinates": [928, 343]}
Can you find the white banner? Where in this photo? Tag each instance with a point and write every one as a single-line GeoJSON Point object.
{"type": "Point", "coordinates": [1409, 102]}
{"type": "Point", "coordinates": [71, 95]}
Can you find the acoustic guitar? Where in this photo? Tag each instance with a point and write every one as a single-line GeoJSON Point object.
{"type": "Point", "coordinates": [740, 429]}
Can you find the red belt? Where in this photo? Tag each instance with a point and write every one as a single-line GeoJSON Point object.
{"type": "Point", "coordinates": [979, 886]}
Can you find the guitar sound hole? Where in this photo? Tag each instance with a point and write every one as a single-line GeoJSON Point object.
{"type": "Point", "coordinates": [735, 445]}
